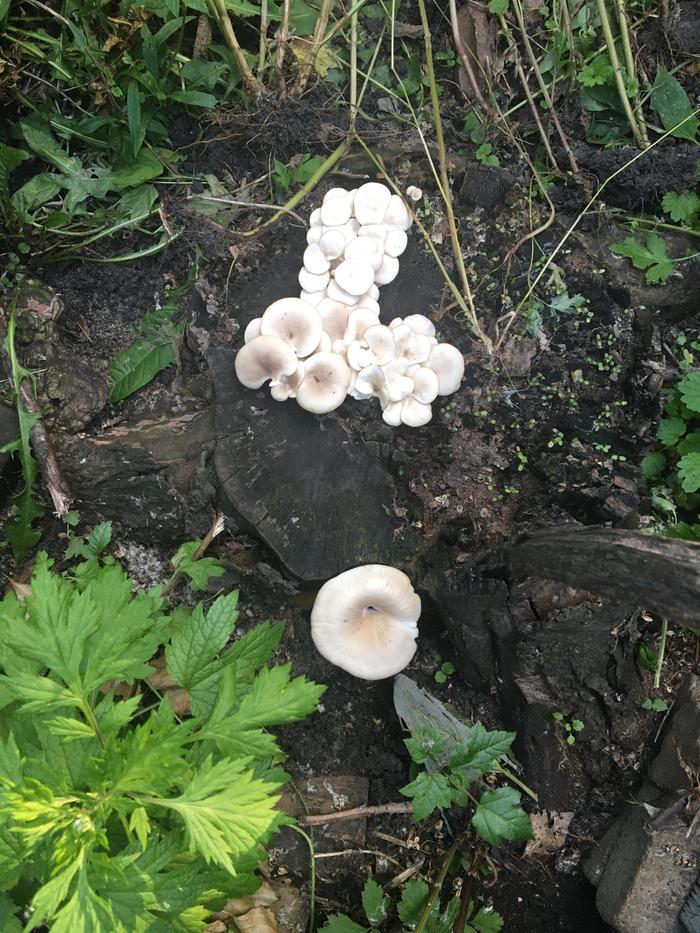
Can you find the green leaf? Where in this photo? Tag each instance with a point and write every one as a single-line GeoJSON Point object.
{"type": "Point", "coordinates": [596, 73]}
{"type": "Point", "coordinates": [656, 706]}
{"type": "Point", "coordinates": [429, 790]}
{"type": "Point", "coordinates": [199, 571]}
{"type": "Point", "coordinates": [195, 99]}
{"type": "Point", "coordinates": [690, 390]}
{"type": "Point", "coordinates": [689, 472]}
{"type": "Point", "coordinates": [375, 903]}
{"type": "Point", "coordinates": [273, 699]}
{"type": "Point", "coordinates": [225, 810]}
{"type": "Point", "coordinates": [690, 444]}
{"type": "Point", "coordinates": [671, 430]}
{"type": "Point", "coordinates": [426, 742]}
{"type": "Point", "coordinates": [145, 167]}
{"type": "Point", "coordinates": [653, 465]}
{"type": "Point", "coordinates": [69, 729]}
{"type": "Point", "coordinates": [37, 191]}
{"type": "Point", "coordinates": [10, 158]}
{"type": "Point", "coordinates": [682, 206]}
{"type": "Point", "coordinates": [487, 920]}
{"type": "Point", "coordinates": [671, 103]}
{"type": "Point", "coordinates": [136, 366]}
{"type": "Point", "coordinates": [4, 8]}
{"type": "Point", "coordinates": [340, 923]}
{"type": "Point", "coordinates": [10, 761]}
{"type": "Point", "coordinates": [480, 749]}
{"type": "Point", "coordinates": [647, 657]}
{"type": "Point", "coordinates": [413, 898]}
{"type": "Point", "coordinates": [499, 817]}
{"type": "Point", "coordinates": [38, 136]}
{"type": "Point", "coordinates": [498, 7]}
{"type": "Point", "coordinates": [8, 909]}
{"type": "Point", "coordinates": [651, 257]}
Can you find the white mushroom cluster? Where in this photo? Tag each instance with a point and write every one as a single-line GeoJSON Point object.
{"type": "Point", "coordinates": [329, 342]}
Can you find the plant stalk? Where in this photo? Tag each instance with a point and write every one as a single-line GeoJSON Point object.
{"type": "Point", "coordinates": [439, 881]}
{"type": "Point", "coordinates": [619, 80]}
{"type": "Point", "coordinates": [661, 655]}
{"type": "Point", "coordinates": [220, 13]}
{"type": "Point", "coordinates": [310, 58]}
{"type": "Point", "coordinates": [262, 50]}
{"type": "Point", "coordinates": [631, 68]}
{"type": "Point", "coordinates": [466, 60]}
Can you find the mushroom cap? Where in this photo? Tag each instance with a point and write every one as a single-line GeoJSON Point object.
{"type": "Point", "coordinates": [355, 275]}
{"type": "Point", "coordinates": [336, 293]}
{"type": "Point", "coordinates": [315, 218]}
{"type": "Point", "coordinates": [334, 315]}
{"type": "Point", "coordinates": [426, 384]}
{"type": "Point", "coordinates": [365, 621]}
{"type": "Point", "coordinates": [397, 214]}
{"type": "Point", "coordinates": [332, 242]}
{"type": "Point", "coordinates": [420, 324]}
{"type": "Point", "coordinates": [282, 389]}
{"type": "Point", "coordinates": [371, 202]}
{"type": "Point", "coordinates": [415, 348]}
{"type": "Point", "coordinates": [252, 330]}
{"type": "Point", "coordinates": [314, 259]}
{"type": "Point", "coordinates": [358, 322]}
{"type": "Point", "coordinates": [415, 194]}
{"type": "Point", "coordinates": [373, 292]}
{"type": "Point", "coordinates": [335, 212]}
{"type": "Point", "coordinates": [367, 248]}
{"type": "Point", "coordinates": [448, 364]}
{"type": "Point", "coordinates": [314, 233]}
{"type": "Point", "coordinates": [388, 270]}
{"type": "Point", "coordinates": [364, 301]}
{"type": "Point", "coordinates": [415, 414]}
{"type": "Point", "coordinates": [391, 414]}
{"type": "Point", "coordinates": [325, 383]}
{"type": "Point", "coordinates": [294, 321]}
{"type": "Point", "coordinates": [334, 193]}
{"type": "Point", "coordinates": [376, 231]}
{"type": "Point", "coordinates": [312, 298]}
{"type": "Point", "coordinates": [395, 243]}
{"type": "Point", "coordinates": [311, 282]}
{"type": "Point", "coordinates": [380, 340]}
{"type": "Point", "coordinates": [264, 358]}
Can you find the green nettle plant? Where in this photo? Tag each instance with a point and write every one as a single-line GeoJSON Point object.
{"type": "Point", "coordinates": [116, 816]}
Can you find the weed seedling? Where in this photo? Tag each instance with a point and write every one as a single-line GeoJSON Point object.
{"type": "Point", "coordinates": [570, 726]}
{"type": "Point", "coordinates": [655, 706]}
{"type": "Point", "coordinates": [445, 670]}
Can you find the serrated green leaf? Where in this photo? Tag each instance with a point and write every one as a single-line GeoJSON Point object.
{"type": "Point", "coordinates": [340, 923]}
{"type": "Point", "coordinates": [375, 903]}
{"type": "Point", "coordinates": [99, 537]}
{"type": "Point", "coordinates": [225, 811]}
{"type": "Point", "coordinates": [486, 920]}
{"type": "Point", "coordinates": [426, 742]}
{"type": "Point", "coordinates": [689, 388]}
{"type": "Point", "coordinates": [428, 791]}
{"type": "Point", "coordinates": [413, 898]}
{"type": "Point", "coordinates": [651, 256]}
{"type": "Point", "coordinates": [69, 729]}
{"type": "Point", "coordinates": [653, 465]}
{"type": "Point", "coordinates": [499, 817]}
{"type": "Point", "coordinates": [195, 645]}
{"type": "Point", "coordinates": [498, 7]}
{"type": "Point", "coordinates": [38, 694]}
{"type": "Point", "coordinates": [689, 472]}
{"type": "Point", "coordinates": [8, 910]}
{"type": "Point", "coordinates": [273, 699]}
{"type": "Point", "coordinates": [199, 571]}
{"type": "Point", "coordinates": [681, 205]}
{"type": "Point", "coordinates": [671, 430]}
{"type": "Point", "coordinates": [690, 444]}
{"type": "Point", "coordinates": [480, 749]}
{"type": "Point", "coordinates": [671, 103]}
{"type": "Point", "coordinates": [10, 761]}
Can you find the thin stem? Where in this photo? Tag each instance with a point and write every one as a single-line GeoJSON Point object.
{"type": "Point", "coordinates": [662, 652]}
{"type": "Point", "coordinates": [619, 80]}
{"type": "Point", "coordinates": [465, 896]}
{"type": "Point", "coordinates": [254, 204]}
{"type": "Point", "coordinates": [220, 13]}
{"type": "Point", "coordinates": [312, 893]}
{"type": "Point", "coordinates": [356, 813]}
{"type": "Point", "coordinates": [514, 779]}
{"type": "Point", "coordinates": [439, 881]}
{"type": "Point", "coordinates": [312, 51]}
{"type": "Point", "coordinates": [306, 189]}
{"type": "Point", "coordinates": [630, 66]}
{"type": "Point", "coordinates": [454, 236]}
{"type": "Point", "coordinates": [262, 49]}
{"type": "Point", "coordinates": [282, 41]}
{"type": "Point", "coordinates": [353, 71]}
{"type": "Point", "coordinates": [543, 86]}
{"type": "Point", "coordinates": [466, 60]}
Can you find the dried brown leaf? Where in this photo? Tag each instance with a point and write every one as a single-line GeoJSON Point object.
{"type": "Point", "coordinates": [550, 830]}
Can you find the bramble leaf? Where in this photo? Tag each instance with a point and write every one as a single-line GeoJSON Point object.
{"type": "Point", "coordinates": [340, 923]}
{"type": "Point", "coordinates": [199, 571]}
{"type": "Point", "coordinates": [425, 742]}
{"type": "Point", "coordinates": [671, 430]}
{"type": "Point", "coordinates": [689, 387]}
{"type": "Point", "coordinates": [429, 790]}
{"type": "Point", "coordinates": [375, 903]}
{"type": "Point", "coordinates": [499, 817]}
{"type": "Point", "coordinates": [689, 472]}
{"type": "Point", "coordinates": [487, 920]}
{"type": "Point", "coordinates": [481, 748]}
{"type": "Point", "coordinates": [653, 465]}
{"type": "Point", "coordinates": [413, 898]}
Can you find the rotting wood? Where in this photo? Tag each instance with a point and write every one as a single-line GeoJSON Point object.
{"type": "Point", "coordinates": [660, 574]}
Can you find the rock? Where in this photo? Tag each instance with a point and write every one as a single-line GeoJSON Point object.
{"type": "Point", "coordinates": [148, 474]}
{"type": "Point", "coordinates": [37, 308]}
{"type": "Point", "coordinates": [76, 390]}
{"type": "Point", "coordinates": [647, 863]}
{"type": "Point", "coordinates": [316, 496]}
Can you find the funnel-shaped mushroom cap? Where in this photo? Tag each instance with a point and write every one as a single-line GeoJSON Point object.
{"type": "Point", "coordinates": [315, 260]}
{"type": "Point", "coordinates": [282, 389]}
{"type": "Point", "coordinates": [325, 383]}
{"type": "Point", "coordinates": [420, 324]}
{"type": "Point", "coordinates": [265, 358]}
{"type": "Point", "coordinates": [395, 243]}
{"type": "Point", "coordinates": [415, 414]}
{"type": "Point", "coordinates": [371, 202]}
{"type": "Point", "coordinates": [252, 330]}
{"type": "Point", "coordinates": [364, 621]}
{"type": "Point", "coordinates": [334, 315]}
{"type": "Point", "coordinates": [388, 270]}
{"type": "Point", "coordinates": [448, 365]}
{"type": "Point", "coordinates": [294, 321]}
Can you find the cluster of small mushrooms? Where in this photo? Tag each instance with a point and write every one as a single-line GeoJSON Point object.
{"type": "Point", "coordinates": [365, 621]}
{"type": "Point", "coordinates": [329, 342]}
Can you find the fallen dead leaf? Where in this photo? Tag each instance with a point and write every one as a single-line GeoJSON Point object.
{"type": "Point", "coordinates": [258, 920]}
{"type": "Point", "coordinates": [22, 590]}
{"type": "Point", "coordinates": [550, 830]}
{"type": "Point", "coordinates": [477, 31]}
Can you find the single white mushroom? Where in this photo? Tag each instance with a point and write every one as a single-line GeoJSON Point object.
{"type": "Point", "coordinates": [314, 260]}
{"type": "Point", "coordinates": [371, 202]}
{"type": "Point", "coordinates": [313, 283]}
{"type": "Point", "coordinates": [415, 194]}
{"type": "Point", "coordinates": [376, 348]}
{"type": "Point", "coordinates": [282, 389]}
{"type": "Point", "coordinates": [335, 212]}
{"type": "Point", "coordinates": [264, 358]}
{"type": "Point", "coordinates": [415, 414]}
{"type": "Point", "coordinates": [312, 298]}
{"type": "Point", "coordinates": [332, 243]}
{"type": "Point", "coordinates": [315, 218]}
{"type": "Point", "coordinates": [365, 621]}
{"type": "Point", "coordinates": [376, 231]}
{"type": "Point", "coordinates": [334, 193]}
{"type": "Point", "coordinates": [325, 383]}
{"type": "Point", "coordinates": [388, 271]}
{"type": "Point", "coordinates": [415, 348]}
{"type": "Point", "coordinates": [448, 364]}
{"type": "Point", "coordinates": [364, 247]}
{"type": "Point", "coordinates": [420, 324]}
{"type": "Point", "coordinates": [314, 234]}
{"type": "Point", "coordinates": [334, 315]}
{"type": "Point", "coordinates": [358, 322]}
{"type": "Point", "coordinates": [391, 413]}
{"type": "Point", "coordinates": [252, 330]}
{"type": "Point", "coordinates": [373, 292]}
{"type": "Point", "coordinates": [295, 322]}
{"type": "Point", "coordinates": [425, 384]}
{"type": "Point", "coordinates": [364, 301]}
{"type": "Point", "coordinates": [354, 275]}
{"type": "Point", "coordinates": [336, 293]}
{"type": "Point", "coordinates": [395, 243]}
{"type": "Point", "coordinates": [397, 214]}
